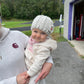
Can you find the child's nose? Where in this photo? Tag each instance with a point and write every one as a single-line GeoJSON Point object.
{"type": "Point", "coordinates": [38, 35]}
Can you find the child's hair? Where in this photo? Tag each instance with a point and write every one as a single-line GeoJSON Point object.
{"type": "Point", "coordinates": [43, 23]}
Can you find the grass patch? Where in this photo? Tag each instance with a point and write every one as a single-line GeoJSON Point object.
{"type": "Point", "coordinates": [82, 56]}
{"type": "Point", "coordinates": [56, 35]}
{"type": "Point", "coordinates": [15, 24]}
{"type": "Point", "coordinates": [14, 19]}
{"type": "Point", "coordinates": [71, 44]}
{"type": "Point", "coordinates": [28, 33]}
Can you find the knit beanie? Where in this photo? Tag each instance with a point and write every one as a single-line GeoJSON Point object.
{"type": "Point", "coordinates": [43, 23]}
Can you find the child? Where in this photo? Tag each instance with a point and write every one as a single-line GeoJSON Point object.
{"type": "Point", "coordinates": [39, 47]}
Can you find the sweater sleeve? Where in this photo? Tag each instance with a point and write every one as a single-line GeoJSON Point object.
{"type": "Point", "coordinates": [42, 54]}
{"type": "Point", "coordinates": [11, 80]}
{"type": "Point", "coordinates": [50, 60]}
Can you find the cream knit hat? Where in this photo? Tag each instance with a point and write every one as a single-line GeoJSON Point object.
{"type": "Point", "coordinates": [43, 23]}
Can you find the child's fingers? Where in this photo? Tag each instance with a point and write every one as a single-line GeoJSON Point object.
{"type": "Point", "coordinates": [43, 76]}
{"type": "Point", "coordinates": [39, 77]}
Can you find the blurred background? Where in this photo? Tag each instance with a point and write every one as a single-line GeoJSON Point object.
{"type": "Point", "coordinates": [28, 9]}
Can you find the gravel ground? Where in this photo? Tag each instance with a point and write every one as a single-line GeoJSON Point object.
{"type": "Point", "coordinates": [68, 66]}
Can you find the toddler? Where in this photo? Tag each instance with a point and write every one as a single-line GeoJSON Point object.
{"type": "Point", "coordinates": [39, 47]}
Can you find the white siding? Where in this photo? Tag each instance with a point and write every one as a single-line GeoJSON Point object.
{"type": "Point", "coordinates": [66, 17]}
{"type": "Point", "coordinates": [72, 22]}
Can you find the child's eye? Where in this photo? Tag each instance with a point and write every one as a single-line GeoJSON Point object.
{"type": "Point", "coordinates": [35, 31]}
{"type": "Point", "coordinates": [43, 33]}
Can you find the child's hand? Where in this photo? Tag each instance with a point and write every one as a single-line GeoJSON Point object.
{"type": "Point", "coordinates": [22, 78]}
{"type": "Point", "coordinates": [26, 74]}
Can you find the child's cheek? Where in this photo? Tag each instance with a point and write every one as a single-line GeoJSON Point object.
{"type": "Point", "coordinates": [33, 36]}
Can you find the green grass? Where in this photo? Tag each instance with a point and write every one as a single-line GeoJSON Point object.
{"type": "Point", "coordinates": [71, 44]}
{"type": "Point", "coordinates": [82, 56]}
{"type": "Point", "coordinates": [57, 20]}
{"type": "Point", "coordinates": [15, 24]}
{"type": "Point", "coordinates": [56, 35]}
{"type": "Point", "coordinates": [28, 33]}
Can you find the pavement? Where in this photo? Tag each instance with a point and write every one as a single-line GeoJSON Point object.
{"type": "Point", "coordinates": [68, 66]}
{"type": "Point", "coordinates": [56, 23]}
{"type": "Point", "coordinates": [79, 46]}
{"type": "Point", "coordinates": [21, 28]}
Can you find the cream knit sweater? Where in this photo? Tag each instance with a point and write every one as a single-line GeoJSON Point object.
{"type": "Point", "coordinates": [41, 51]}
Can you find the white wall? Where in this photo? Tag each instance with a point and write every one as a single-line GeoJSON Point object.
{"type": "Point", "coordinates": [66, 17]}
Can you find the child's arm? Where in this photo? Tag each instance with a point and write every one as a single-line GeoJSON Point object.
{"type": "Point", "coordinates": [42, 54]}
{"type": "Point", "coordinates": [50, 60]}
{"type": "Point", "coordinates": [44, 72]}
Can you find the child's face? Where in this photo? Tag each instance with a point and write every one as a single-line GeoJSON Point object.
{"type": "Point", "coordinates": [38, 35]}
